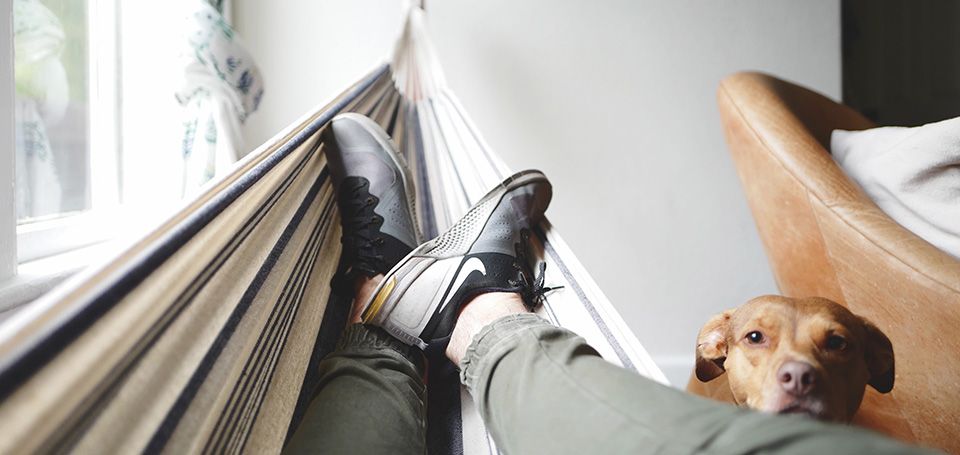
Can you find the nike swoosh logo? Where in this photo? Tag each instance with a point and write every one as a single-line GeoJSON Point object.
{"type": "Point", "coordinates": [465, 271]}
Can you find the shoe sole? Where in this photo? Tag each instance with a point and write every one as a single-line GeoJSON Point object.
{"type": "Point", "coordinates": [456, 241]}
{"type": "Point", "coordinates": [399, 161]}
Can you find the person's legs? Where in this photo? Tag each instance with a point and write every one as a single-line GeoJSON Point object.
{"type": "Point", "coordinates": [542, 389]}
{"type": "Point", "coordinates": [371, 396]}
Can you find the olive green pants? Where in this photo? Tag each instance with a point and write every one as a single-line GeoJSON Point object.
{"type": "Point", "coordinates": [542, 389]}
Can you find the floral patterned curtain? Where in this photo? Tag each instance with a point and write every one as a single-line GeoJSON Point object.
{"type": "Point", "coordinates": [221, 86]}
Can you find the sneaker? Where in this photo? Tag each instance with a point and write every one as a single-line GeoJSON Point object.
{"type": "Point", "coordinates": [419, 300]}
{"type": "Point", "coordinates": [375, 196]}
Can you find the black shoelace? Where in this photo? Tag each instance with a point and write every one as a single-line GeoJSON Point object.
{"type": "Point", "coordinates": [361, 235]}
{"type": "Point", "coordinates": [531, 285]}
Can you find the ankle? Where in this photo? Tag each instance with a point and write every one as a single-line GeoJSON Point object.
{"type": "Point", "coordinates": [477, 314]}
{"type": "Point", "coordinates": [363, 288]}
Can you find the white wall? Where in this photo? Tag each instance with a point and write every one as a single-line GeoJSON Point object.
{"type": "Point", "coordinates": [614, 100]}
{"type": "Point", "coordinates": [309, 51]}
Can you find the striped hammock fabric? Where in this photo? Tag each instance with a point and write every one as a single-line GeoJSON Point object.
{"type": "Point", "coordinates": [204, 336]}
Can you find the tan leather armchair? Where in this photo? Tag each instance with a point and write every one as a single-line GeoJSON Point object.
{"type": "Point", "coordinates": [824, 237]}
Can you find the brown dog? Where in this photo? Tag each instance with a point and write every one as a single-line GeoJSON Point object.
{"type": "Point", "coordinates": [783, 355]}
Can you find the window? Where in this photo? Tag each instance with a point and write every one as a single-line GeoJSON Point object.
{"type": "Point", "coordinates": [92, 129]}
{"type": "Point", "coordinates": [66, 128]}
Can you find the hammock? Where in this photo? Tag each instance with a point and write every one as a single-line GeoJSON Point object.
{"type": "Point", "coordinates": [204, 335]}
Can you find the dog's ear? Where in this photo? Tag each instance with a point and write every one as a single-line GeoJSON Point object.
{"type": "Point", "coordinates": [879, 355]}
{"type": "Point", "coordinates": [712, 346]}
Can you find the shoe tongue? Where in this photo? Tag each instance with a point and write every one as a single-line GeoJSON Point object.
{"type": "Point", "coordinates": [392, 251]}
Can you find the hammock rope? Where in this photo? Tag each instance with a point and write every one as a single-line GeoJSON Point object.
{"type": "Point", "coordinates": [204, 335]}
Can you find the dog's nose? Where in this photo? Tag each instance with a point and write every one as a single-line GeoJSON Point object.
{"type": "Point", "coordinates": [797, 378]}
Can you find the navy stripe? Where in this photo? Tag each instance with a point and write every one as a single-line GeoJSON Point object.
{"type": "Point", "coordinates": [376, 92]}
{"type": "Point", "coordinates": [253, 368]}
{"type": "Point", "coordinates": [373, 87]}
{"type": "Point", "coordinates": [172, 419]}
{"type": "Point", "coordinates": [286, 334]}
{"type": "Point", "coordinates": [386, 99]}
{"type": "Point", "coordinates": [86, 412]}
{"type": "Point", "coordinates": [394, 113]}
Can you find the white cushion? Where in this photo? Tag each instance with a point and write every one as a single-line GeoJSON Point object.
{"type": "Point", "coordinates": [913, 174]}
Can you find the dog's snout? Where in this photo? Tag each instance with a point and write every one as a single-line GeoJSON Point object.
{"type": "Point", "coordinates": [797, 378]}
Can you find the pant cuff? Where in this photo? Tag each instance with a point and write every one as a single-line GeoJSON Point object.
{"type": "Point", "coordinates": [361, 337]}
{"type": "Point", "coordinates": [494, 341]}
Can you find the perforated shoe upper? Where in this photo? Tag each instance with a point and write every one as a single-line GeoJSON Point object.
{"type": "Point", "coordinates": [485, 251]}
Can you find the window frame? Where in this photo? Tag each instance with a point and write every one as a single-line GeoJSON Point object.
{"type": "Point", "coordinates": [45, 238]}
{"type": "Point", "coordinates": [36, 252]}
{"type": "Point", "coordinates": [8, 215]}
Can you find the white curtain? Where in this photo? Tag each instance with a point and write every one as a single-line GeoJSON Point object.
{"type": "Point", "coordinates": [221, 86]}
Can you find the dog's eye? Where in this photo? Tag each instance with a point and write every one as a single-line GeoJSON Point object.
{"type": "Point", "coordinates": [836, 343]}
{"type": "Point", "coordinates": [755, 337]}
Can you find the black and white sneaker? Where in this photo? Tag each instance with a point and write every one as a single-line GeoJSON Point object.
{"type": "Point", "coordinates": [419, 300]}
{"type": "Point", "coordinates": [375, 196]}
